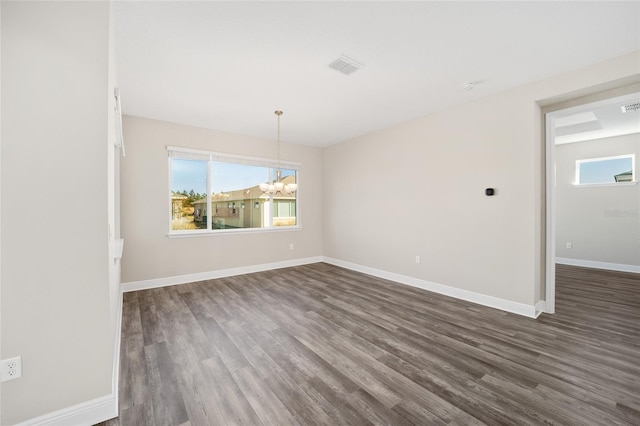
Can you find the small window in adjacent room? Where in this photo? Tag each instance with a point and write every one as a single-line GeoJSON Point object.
{"type": "Point", "coordinates": [606, 170]}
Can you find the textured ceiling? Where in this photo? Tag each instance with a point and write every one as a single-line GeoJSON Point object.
{"type": "Point", "coordinates": [229, 65]}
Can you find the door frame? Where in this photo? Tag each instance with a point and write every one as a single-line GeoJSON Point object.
{"type": "Point", "coordinates": [550, 112]}
{"type": "Point", "coordinates": [550, 237]}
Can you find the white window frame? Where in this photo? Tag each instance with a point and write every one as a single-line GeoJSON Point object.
{"type": "Point", "coordinates": [614, 157]}
{"type": "Point", "coordinates": [211, 156]}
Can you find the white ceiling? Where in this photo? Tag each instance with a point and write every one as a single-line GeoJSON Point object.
{"type": "Point", "coordinates": [602, 119]}
{"type": "Point", "coordinates": [229, 65]}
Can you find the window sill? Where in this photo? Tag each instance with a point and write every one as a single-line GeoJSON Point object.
{"type": "Point", "coordinates": [591, 185]}
{"type": "Point", "coordinates": [206, 233]}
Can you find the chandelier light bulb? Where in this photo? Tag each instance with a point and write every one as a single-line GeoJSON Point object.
{"type": "Point", "coordinates": [289, 188]}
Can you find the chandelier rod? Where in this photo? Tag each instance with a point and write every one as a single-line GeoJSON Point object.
{"type": "Point", "coordinates": [278, 113]}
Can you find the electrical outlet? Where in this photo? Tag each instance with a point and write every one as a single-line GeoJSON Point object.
{"type": "Point", "coordinates": [569, 245]}
{"type": "Point", "coordinates": [11, 368]}
{"type": "Point", "coordinates": [417, 259]}
{"type": "Point", "coordinates": [291, 246]}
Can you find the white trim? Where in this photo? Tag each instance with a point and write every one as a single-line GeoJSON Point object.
{"type": "Point", "coordinates": [232, 158]}
{"type": "Point", "coordinates": [115, 374]}
{"type": "Point", "coordinates": [597, 185]}
{"type": "Point", "coordinates": [541, 306]}
{"type": "Point", "coordinates": [210, 275]}
{"type": "Point", "coordinates": [206, 232]}
{"type": "Point", "coordinates": [119, 138]}
{"type": "Point", "coordinates": [470, 296]}
{"type": "Point", "coordinates": [170, 194]}
{"type": "Point", "coordinates": [599, 265]}
{"type": "Point", "coordinates": [550, 220]}
{"type": "Point", "coordinates": [87, 413]}
{"type": "Point", "coordinates": [116, 247]}
{"type": "Point", "coordinates": [93, 411]}
{"type": "Point", "coordinates": [481, 299]}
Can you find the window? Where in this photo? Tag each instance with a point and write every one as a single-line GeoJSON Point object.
{"type": "Point", "coordinates": [606, 170]}
{"type": "Point", "coordinates": [209, 192]}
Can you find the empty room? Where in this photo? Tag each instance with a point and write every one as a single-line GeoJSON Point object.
{"type": "Point", "coordinates": [319, 212]}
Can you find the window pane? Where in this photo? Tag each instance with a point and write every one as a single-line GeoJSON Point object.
{"type": "Point", "coordinates": [188, 189]}
{"type": "Point", "coordinates": [244, 194]}
{"type": "Point", "coordinates": [284, 213]}
{"type": "Point", "coordinates": [605, 170]}
{"type": "Point", "coordinates": [237, 201]}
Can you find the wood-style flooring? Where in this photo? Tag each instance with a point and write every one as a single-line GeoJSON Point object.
{"type": "Point", "coordinates": [321, 345]}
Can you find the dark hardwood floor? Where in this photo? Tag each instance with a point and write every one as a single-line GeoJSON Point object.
{"type": "Point", "coordinates": [318, 344]}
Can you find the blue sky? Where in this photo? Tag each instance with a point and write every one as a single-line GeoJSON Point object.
{"type": "Point", "coordinates": [603, 171]}
{"type": "Point", "coordinates": [192, 174]}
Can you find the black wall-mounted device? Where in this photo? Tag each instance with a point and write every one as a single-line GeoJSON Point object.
{"type": "Point", "coordinates": [489, 192]}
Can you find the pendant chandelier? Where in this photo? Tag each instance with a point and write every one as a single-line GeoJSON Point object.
{"type": "Point", "coordinates": [277, 186]}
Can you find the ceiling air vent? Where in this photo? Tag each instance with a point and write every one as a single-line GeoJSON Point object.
{"type": "Point", "coordinates": [345, 65]}
{"type": "Point", "coordinates": [630, 107]}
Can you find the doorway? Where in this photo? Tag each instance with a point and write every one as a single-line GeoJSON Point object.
{"type": "Point", "coordinates": [585, 216]}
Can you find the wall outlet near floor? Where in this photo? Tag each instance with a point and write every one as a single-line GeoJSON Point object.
{"type": "Point", "coordinates": [11, 368]}
{"type": "Point", "coordinates": [290, 246]}
{"type": "Point", "coordinates": [569, 245]}
{"type": "Point", "coordinates": [417, 259]}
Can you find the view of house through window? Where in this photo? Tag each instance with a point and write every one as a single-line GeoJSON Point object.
{"type": "Point", "coordinates": [212, 194]}
{"type": "Point", "coordinates": [605, 170]}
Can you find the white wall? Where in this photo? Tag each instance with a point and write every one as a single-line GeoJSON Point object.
{"type": "Point", "coordinates": [150, 254]}
{"type": "Point", "coordinates": [0, 204]}
{"type": "Point", "coordinates": [418, 189]}
{"type": "Point", "coordinates": [586, 216]}
{"type": "Point", "coordinates": [114, 154]}
{"type": "Point", "coordinates": [55, 274]}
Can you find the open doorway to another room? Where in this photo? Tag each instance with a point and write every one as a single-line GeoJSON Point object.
{"type": "Point", "coordinates": [593, 199]}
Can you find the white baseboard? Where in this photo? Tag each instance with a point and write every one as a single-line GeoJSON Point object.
{"type": "Point", "coordinates": [96, 410]}
{"type": "Point", "coordinates": [541, 306]}
{"type": "Point", "coordinates": [115, 378]}
{"type": "Point", "coordinates": [87, 413]}
{"type": "Point", "coordinates": [210, 275]}
{"type": "Point", "coordinates": [598, 265]}
{"type": "Point", "coordinates": [470, 296]}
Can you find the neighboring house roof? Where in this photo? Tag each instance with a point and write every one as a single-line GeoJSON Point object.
{"type": "Point", "coordinates": [175, 196]}
{"type": "Point", "coordinates": [251, 193]}
{"type": "Point", "coordinates": [624, 177]}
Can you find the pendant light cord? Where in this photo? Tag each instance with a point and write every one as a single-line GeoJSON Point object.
{"type": "Point", "coordinates": [278, 113]}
